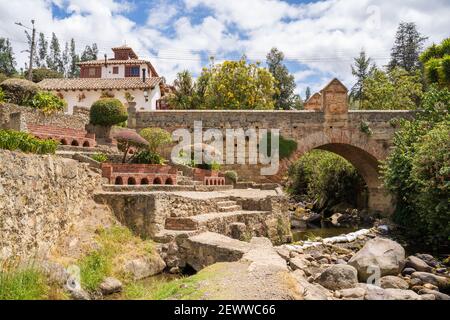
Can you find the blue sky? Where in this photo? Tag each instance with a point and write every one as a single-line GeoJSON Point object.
{"type": "Point", "coordinates": [319, 38]}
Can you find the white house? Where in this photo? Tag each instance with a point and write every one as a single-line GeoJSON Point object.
{"type": "Point", "coordinates": [123, 77]}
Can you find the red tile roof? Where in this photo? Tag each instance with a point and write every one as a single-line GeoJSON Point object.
{"type": "Point", "coordinates": [99, 83]}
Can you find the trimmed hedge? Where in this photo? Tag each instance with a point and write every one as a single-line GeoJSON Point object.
{"type": "Point", "coordinates": [16, 140]}
{"type": "Point", "coordinates": [108, 112]}
{"type": "Point", "coordinates": [19, 91]}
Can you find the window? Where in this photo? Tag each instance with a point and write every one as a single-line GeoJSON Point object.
{"type": "Point", "coordinates": [134, 71]}
{"type": "Point", "coordinates": [91, 72]}
{"type": "Point", "coordinates": [115, 70]}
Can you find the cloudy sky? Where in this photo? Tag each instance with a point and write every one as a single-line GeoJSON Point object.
{"type": "Point", "coordinates": [319, 38]}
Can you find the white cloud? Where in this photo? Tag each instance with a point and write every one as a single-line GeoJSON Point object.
{"type": "Point", "coordinates": [321, 37]}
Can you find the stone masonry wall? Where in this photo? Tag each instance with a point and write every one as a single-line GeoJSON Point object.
{"type": "Point", "coordinates": [77, 120]}
{"type": "Point", "coordinates": [145, 213]}
{"type": "Point", "coordinates": [40, 198]}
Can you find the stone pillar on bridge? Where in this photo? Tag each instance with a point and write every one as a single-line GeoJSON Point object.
{"type": "Point", "coordinates": [335, 104]}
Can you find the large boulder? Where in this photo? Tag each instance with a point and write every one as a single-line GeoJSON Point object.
{"type": "Point", "coordinates": [110, 285]}
{"type": "Point", "coordinates": [141, 268]}
{"type": "Point", "coordinates": [377, 293]}
{"type": "Point", "coordinates": [351, 294]}
{"type": "Point", "coordinates": [379, 253]}
{"type": "Point", "coordinates": [417, 264]}
{"type": "Point", "coordinates": [393, 282]}
{"type": "Point", "coordinates": [438, 295]}
{"type": "Point", "coordinates": [338, 276]}
{"type": "Point", "coordinates": [441, 282]}
{"type": "Point", "coordinates": [398, 294]}
{"type": "Point", "coordinates": [311, 291]}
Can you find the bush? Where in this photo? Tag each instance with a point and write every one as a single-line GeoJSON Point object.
{"type": "Point", "coordinates": [47, 102]}
{"type": "Point", "coordinates": [2, 95]}
{"type": "Point", "coordinates": [19, 91]}
{"type": "Point", "coordinates": [231, 175]}
{"type": "Point", "coordinates": [148, 157]}
{"type": "Point", "coordinates": [431, 174]}
{"type": "Point", "coordinates": [100, 157]}
{"type": "Point", "coordinates": [15, 140]}
{"type": "Point", "coordinates": [326, 178]}
{"type": "Point", "coordinates": [156, 138]}
{"type": "Point", "coordinates": [417, 172]}
{"type": "Point", "coordinates": [108, 112]}
{"type": "Point", "coordinates": [40, 74]}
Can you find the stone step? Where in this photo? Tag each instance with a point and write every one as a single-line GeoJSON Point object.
{"type": "Point", "coordinates": [209, 247]}
{"type": "Point", "coordinates": [231, 208]}
{"type": "Point", "coordinates": [226, 203]}
{"type": "Point", "coordinates": [217, 221]}
{"type": "Point", "coordinates": [166, 236]}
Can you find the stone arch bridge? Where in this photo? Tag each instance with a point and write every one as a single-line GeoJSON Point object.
{"type": "Point", "coordinates": [364, 138]}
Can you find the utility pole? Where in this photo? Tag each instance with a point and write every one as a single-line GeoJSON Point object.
{"type": "Point", "coordinates": [33, 44]}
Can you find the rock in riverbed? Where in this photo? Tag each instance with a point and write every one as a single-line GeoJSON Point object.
{"type": "Point", "coordinates": [417, 264]}
{"type": "Point", "coordinates": [110, 285]}
{"type": "Point", "coordinates": [379, 253]}
{"type": "Point", "coordinates": [441, 282]}
{"type": "Point", "coordinates": [338, 277]}
{"type": "Point", "coordinates": [393, 282]}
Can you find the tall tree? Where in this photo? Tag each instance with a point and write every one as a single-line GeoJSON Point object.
{"type": "Point", "coordinates": [236, 85]}
{"type": "Point", "coordinates": [7, 60]}
{"type": "Point", "coordinates": [361, 70]}
{"type": "Point", "coordinates": [307, 93]}
{"type": "Point", "coordinates": [89, 53]}
{"type": "Point", "coordinates": [285, 82]}
{"type": "Point", "coordinates": [42, 51]}
{"type": "Point", "coordinates": [65, 58]}
{"type": "Point", "coordinates": [436, 60]}
{"type": "Point", "coordinates": [54, 59]}
{"type": "Point", "coordinates": [74, 70]}
{"type": "Point", "coordinates": [407, 47]}
{"type": "Point", "coordinates": [183, 94]}
{"type": "Point", "coordinates": [395, 90]}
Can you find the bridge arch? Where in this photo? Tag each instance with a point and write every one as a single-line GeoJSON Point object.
{"type": "Point", "coordinates": [363, 153]}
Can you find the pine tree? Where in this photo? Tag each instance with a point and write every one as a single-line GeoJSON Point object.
{"type": "Point", "coordinates": [285, 82]}
{"type": "Point", "coordinates": [74, 70]}
{"type": "Point", "coordinates": [407, 47]}
{"type": "Point", "coordinates": [66, 60]}
{"type": "Point", "coordinates": [42, 51]}
{"type": "Point", "coordinates": [361, 70]}
{"type": "Point", "coordinates": [54, 59]}
{"type": "Point", "coordinates": [90, 53]}
{"type": "Point", "coordinates": [94, 51]}
{"type": "Point", "coordinates": [7, 61]}
{"type": "Point", "coordinates": [307, 93]}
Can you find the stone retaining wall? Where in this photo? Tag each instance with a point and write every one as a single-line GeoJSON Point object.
{"type": "Point", "coordinates": [40, 198]}
{"type": "Point", "coordinates": [77, 120]}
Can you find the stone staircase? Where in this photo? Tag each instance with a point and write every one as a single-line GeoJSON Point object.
{"type": "Point", "coordinates": [228, 217]}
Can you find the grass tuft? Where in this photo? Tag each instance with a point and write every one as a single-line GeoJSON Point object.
{"type": "Point", "coordinates": [25, 284]}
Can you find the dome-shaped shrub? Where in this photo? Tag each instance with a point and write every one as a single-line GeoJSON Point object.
{"type": "Point", "coordinates": [19, 91]}
{"type": "Point", "coordinates": [108, 112]}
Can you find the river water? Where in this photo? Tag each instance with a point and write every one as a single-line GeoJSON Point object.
{"type": "Point", "coordinates": [324, 232]}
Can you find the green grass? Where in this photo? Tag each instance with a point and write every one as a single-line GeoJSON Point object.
{"type": "Point", "coordinates": [26, 284]}
{"type": "Point", "coordinates": [94, 268]}
{"type": "Point", "coordinates": [115, 242]}
{"type": "Point", "coordinates": [186, 288]}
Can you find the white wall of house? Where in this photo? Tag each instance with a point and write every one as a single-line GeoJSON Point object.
{"type": "Point", "coordinates": [107, 72]}
{"type": "Point", "coordinates": [72, 98]}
